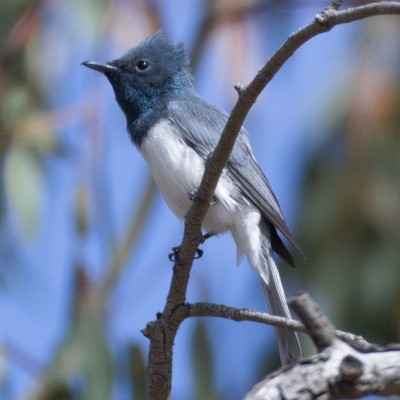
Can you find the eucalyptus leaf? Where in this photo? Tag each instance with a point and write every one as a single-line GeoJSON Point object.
{"type": "Point", "coordinates": [23, 180]}
{"type": "Point", "coordinates": [137, 369]}
{"type": "Point", "coordinates": [82, 366]}
{"type": "Point", "coordinates": [83, 361]}
{"type": "Point", "coordinates": [202, 361]}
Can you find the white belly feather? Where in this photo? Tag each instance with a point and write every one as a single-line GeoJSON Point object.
{"type": "Point", "coordinates": [177, 170]}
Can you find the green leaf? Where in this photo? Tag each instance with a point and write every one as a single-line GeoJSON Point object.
{"type": "Point", "coordinates": [82, 366]}
{"type": "Point", "coordinates": [84, 358]}
{"type": "Point", "coordinates": [137, 372]}
{"type": "Point", "coordinates": [23, 181]}
{"type": "Point", "coordinates": [202, 363]}
{"type": "Point", "coordinates": [81, 208]}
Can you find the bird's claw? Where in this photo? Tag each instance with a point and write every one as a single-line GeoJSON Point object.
{"type": "Point", "coordinates": [199, 253]}
{"type": "Point", "coordinates": [192, 196]}
{"type": "Point", "coordinates": [214, 201]}
{"type": "Point", "coordinates": [173, 257]}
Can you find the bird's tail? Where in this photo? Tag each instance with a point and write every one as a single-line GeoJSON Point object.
{"type": "Point", "coordinates": [288, 342]}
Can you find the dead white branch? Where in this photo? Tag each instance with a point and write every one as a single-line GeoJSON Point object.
{"type": "Point", "coordinates": [338, 371]}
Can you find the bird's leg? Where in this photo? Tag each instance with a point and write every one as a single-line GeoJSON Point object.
{"type": "Point", "coordinates": [173, 257]}
{"type": "Point", "coordinates": [206, 236]}
{"type": "Point", "coordinates": [192, 196]}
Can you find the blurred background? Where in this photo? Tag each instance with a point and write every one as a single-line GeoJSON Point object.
{"type": "Point", "coordinates": [85, 234]}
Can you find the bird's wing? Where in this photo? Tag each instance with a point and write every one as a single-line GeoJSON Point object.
{"type": "Point", "coordinates": [201, 125]}
{"type": "Point", "coordinates": [201, 128]}
{"type": "Point", "coordinates": [256, 187]}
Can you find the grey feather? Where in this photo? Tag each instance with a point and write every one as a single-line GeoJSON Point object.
{"type": "Point", "coordinates": [288, 342]}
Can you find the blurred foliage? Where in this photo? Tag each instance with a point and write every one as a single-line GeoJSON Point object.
{"type": "Point", "coordinates": [137, 370]}
{"type": "Point", "coordinates": [350, 220]}
{"type": "Point", "coordinates": [82, 366]}
{"type": "Point", "coordinates": [81, 209]}
{"type": "Point", "coordinates": [23, 185]}
{"type": "Point", "coordinates": [202, 362]}
{"type": "Point", "coordinates": [25, 128]}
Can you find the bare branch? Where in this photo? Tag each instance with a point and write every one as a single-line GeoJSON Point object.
{"type": "Point", "coordinates": [331, 17]}
{"type": "Point", "coordinates": [244, 314]}
{"type": "Point", "coordinates": [318, 327]}
{"type": "Point", "coordinates": [339, 371]}
{"type": "Point", "coordinates": [239, 315]}
{"type": "Point", "coordinates": [336, 4]}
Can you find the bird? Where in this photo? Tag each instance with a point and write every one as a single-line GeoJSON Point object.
{"type": "Point", "coordinates": [176, 130]}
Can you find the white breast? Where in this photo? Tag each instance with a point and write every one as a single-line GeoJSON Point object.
{"type": "Point", "coordinates": [177, 170]}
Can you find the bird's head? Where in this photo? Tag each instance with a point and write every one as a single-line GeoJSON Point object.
{"type": "Point", "coordinates": [148, 74]}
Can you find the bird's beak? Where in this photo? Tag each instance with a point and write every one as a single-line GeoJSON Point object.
{"type": "Point", "coordinates": [100, 67]}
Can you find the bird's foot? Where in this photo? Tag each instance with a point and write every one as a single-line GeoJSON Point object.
{"type": "Point", "coordinates": [174, 256]}
{"type": "Point", "coordinates": [192, 196]}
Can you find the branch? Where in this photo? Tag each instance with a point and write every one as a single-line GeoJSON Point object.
{"type": "Point", "coordinates": [244, 314]}
{"type": "Point", "coordinates": [338, 371]}
{"type": "Point", "coordinates": [162, 331]}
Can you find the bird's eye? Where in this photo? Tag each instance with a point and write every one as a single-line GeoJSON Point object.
{"type": "Point", "coordinates": [142, 65]}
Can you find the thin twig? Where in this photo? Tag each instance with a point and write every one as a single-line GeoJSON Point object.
{"type": "Point", "coordinates": [244, 314]}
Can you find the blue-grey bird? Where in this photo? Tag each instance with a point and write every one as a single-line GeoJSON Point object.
{"type": "Point", "coordinates": [175, 130]}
